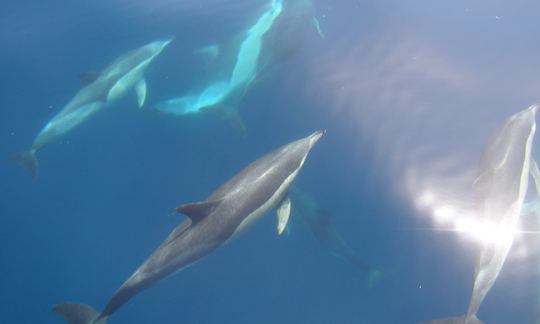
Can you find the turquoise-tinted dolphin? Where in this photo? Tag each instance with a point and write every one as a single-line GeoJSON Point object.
{"type": "Point", "coordinates": [211, 223]}
{"type": "Point", "coordinates": [225, 93]}
{"type": "Point", "coordinates": [125, 73]}
{"type": "Point", "coordinates": [320, 224]}
{"type": "Point", "coordinates": [501, 186]}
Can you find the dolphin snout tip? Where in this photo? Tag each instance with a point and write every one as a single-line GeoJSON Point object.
{"type": "Point", "coordinates": [314, 138]}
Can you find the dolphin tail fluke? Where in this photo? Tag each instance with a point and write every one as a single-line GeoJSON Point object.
{"type": "Point", "coordinates": [230, 115]}
{"type": "Point", "coordinates": [28, 160]}
{"type": "Point", "coordinates": [456, 320]}
{"type": "Point", "coordinates": [78, 313]}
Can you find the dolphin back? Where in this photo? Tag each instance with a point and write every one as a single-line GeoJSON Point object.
{"type": "Point", "coordinates": [78, 313]}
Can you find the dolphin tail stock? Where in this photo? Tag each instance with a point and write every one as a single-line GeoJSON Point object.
{"type": "Point", "coordinates": [456, 320]}
{"type": "Point", "coordinates": [78, 313]}
{"type": "Point", "coordinates": [28, 160]}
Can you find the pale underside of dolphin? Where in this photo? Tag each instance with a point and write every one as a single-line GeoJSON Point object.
{"type": "Point", "coordinates": [320, 224]}
{"type": "Point", "coordinates": [500, 187]}
{"type": "Point", "coordinates": [125, 73]}
{"type": "Point", "coordinates": [211, 223]}
{"type": "Point", "coordinates": [224, 95]}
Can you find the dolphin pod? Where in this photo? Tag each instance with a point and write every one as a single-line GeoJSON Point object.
{"type": "Point", "coordinates": [123, 74]}
{"type": "Point", "coordinates": [320, 224]}
{"type": "Point", "coordinates": [501, 186]}
{"type": "Point", "coordinates": [211, 223]}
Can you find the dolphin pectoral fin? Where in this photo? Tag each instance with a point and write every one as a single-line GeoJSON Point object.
{"type": "Point", "coordinates": [140, 89]}
{"type": "Point", "coordinates": [317, 26]}
{"type": "Point", "coordinates": [28, 160]}
{"type": "Point", "coordinates": [283, 213]}
{"type": "Point", "coordinates": [198, 210]}
{"type": "Point", "coordinates": [88, 77]}
{"type": "Point", "coordinates": [78, 313]}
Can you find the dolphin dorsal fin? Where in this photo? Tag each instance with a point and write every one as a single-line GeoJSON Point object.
{"type": "Point", "coordinates": [88, 77]}
{"type": "Point", "coordinates": [198, 210]}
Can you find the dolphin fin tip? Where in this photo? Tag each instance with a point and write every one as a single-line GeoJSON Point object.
{"type": "Point", "coordinates": [28, 160]}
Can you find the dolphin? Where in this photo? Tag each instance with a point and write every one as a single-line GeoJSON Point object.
{"type": "Point", "coordinates": [124, 73]}
{"type": "Point", "coordinates": [320, 224]}
{"type": "Point", "coordinates": [224, 94]}
{"type": "Point", "coordinates": [500, 189]}
{"type": "Point", "coordinates": [211, 223]}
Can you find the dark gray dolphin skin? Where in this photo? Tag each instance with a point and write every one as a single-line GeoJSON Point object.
{"type": "Point", "coordinates": [320, 224]}
{"type": "Point", "coordinates": [231, 209]}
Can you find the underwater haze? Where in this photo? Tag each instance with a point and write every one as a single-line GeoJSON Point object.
{"type": "Point", "coordinates": [123, 110]}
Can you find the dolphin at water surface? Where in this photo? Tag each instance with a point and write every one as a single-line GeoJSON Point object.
{"type": "Point", "coordinates": [211, 223]}
{"type": "Point", "coordinates": [123, 74]}
{"type": "Point", "coordinates": [500, 189]}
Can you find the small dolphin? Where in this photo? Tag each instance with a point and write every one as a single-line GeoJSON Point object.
{"type": "Point", "coordinates": [320, 224]}
{"type": "Point", "coordinates": [211, 223]}
{"type": "Point", "coordinates": [500, 187]}
{"type": "Point", "coordinates": [125, 73]}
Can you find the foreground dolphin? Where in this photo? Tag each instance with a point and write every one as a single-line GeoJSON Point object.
{"type": "Point", "coordinates": [125, 73]}
{"type": "Point", "coordinates": [319, 222]}
{"type": "Point", "coordinates": [500, 187]}
{"type": "Point", "coordinates": [231, 209]}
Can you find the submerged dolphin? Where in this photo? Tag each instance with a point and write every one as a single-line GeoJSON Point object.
{"type": "Point", "coordinates": [125, 73]}
{"type": "Point", "coordinates": [500, 187]}
{"type": "Point", "coordinates": [242, 74]}
{"type": "Point", "coordinates": [211, 223]}
{"type": "Point", "coordinates": [319, 222]}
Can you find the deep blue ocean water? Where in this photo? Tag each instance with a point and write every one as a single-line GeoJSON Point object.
{"type": "Point", "coordinates": [407, 91]}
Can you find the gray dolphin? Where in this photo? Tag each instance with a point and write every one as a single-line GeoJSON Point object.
{"type": "Point", "coordinates": [320, 224]}
{"type": "Point", "coordinates": [125, 73]}
{"type": "Point", "coordinates": [500, 187]}
{"type": "Point", "coordinates": [211, 223]}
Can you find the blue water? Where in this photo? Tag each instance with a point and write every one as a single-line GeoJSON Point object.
{"type": "Point", "coordinates": [398, 86]}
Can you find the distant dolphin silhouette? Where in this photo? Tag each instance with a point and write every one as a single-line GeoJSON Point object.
{"type": "Point", "coordinates": [230, 210]}
{"type": "Point", "coordinates": [125, 73]}
{"type": "Point", "coordinates": [320, 224]}
{"type": "Point", "coordinates": [501, 187]}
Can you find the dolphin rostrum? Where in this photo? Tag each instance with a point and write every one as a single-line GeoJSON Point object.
{"type": "Point", "coordinates": [500, 188]}
{"type": "Point", "coordinates": [320, 224]}
{"type": "Point", "coordinates": [125, 73]}
{"type": "Point", "coordinates": [230, 210]}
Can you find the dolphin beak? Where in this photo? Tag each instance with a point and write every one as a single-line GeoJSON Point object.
{"type": "Point", "coordinates": [534, 108]}
{"type": "Point", "coordinates": [314, 138]}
